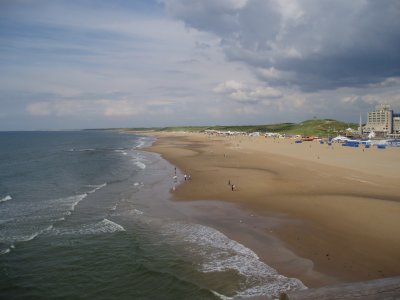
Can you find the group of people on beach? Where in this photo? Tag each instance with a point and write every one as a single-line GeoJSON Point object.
{"type": "Point", "coordinates": [233, 187]}
{"type": "Point", "coordinates": [185, 177]}
{"type": "Point", "coordinates": [188, 178]}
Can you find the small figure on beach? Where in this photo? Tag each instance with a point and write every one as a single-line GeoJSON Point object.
{"type": "Point", "coordinates": [233, 187]}
{"type": "Point", "coordinates": [175, 170]}
{"type": "Point", "coordinates": [185, 176]}
{"type": "Point", "coordinates": [189, 177]}
{"type": "Point", "coordinates": [229, 182]}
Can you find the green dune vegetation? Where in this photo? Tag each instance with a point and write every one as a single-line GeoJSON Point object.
{"type": "Point", "coordinates": [314, 127]}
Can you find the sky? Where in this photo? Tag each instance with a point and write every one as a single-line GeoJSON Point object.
{"type": "Point", "coordinates": [150, 63]}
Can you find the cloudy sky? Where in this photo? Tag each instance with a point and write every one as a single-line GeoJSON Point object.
{"type": "Point", "coordinates": [90, 64]}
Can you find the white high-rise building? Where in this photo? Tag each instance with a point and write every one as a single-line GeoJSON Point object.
{"type": "Point", "coordinates": [380, 120]}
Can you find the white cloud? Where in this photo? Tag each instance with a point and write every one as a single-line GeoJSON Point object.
{"type": "Point", "coordinates": [323, 45]}
{"type": "Point", "coordinates": [350, 99]}
{"type": "Point", "coordinates": [60, 108]}
{"type": "Point", "coordinates": [39, 109]}
{"type": "Point", "coordinates": [99, 108]}
{"type": "Point", "coordinates": [228, 86]}
{"type": "Point", "coordinates": [246, 93]}
{"type": "Point", "coordinates": [246, 110]}
{"type": "Point", "coordinates": [290, 9]}
{"type": "Point", "coordinates": [261, 92]}
{"type": "Point", "coordinates": [285, 59]}
{"type": "Point", "coordinates": [121, 108]}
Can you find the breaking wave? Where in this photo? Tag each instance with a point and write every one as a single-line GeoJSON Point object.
{"type": "Point", "coordinates": [6, 198]}
{"type": "Point", "coordinates": [140, 165]}
{"type": "Point", "coordinates": [96, 187]}
{"type": "Point", "coordinates": [104, 226]}
{"type": "Point", "coordinates": [218, 253]}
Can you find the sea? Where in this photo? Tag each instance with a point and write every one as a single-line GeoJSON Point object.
{"type": "Point", "coordinates": [89, 215]}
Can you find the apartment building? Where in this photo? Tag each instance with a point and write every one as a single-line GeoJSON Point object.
{"type": "Point", "coordinates": [383, 120]}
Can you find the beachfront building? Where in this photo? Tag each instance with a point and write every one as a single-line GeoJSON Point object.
{"type": "Point", "coordinates": [396, 123]}
{"type": "Point", "coordinates": [381, 120]}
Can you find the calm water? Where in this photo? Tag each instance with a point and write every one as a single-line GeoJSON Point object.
{"type": "Point", "coordinates": [87, 215]}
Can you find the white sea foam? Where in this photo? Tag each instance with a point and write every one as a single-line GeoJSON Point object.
{"type": "Point", "coordinates": [218, 253]}
{"type": "Point", "coordinates": [76, 199]}
{"type": "Point", "coordinates": [5, 251]}
{"type": "Point", "coordinates": [140, 165]}
{"type": "Point", "coordinates": [30, 237]}
{"type": "Point", "coordinates": [104, 226]}
{"type": "Point", "coordinates": [33, 219]}
{"type": "Point", "coordinates": [96, 187]}
{"type": "Point", "coordinates": [123, 152]}
{"type": "Point", "coordinates": [131, 212]}
{"type": "Point", "coordinates": [27, 238]}
{"type": "Point", "coordinates": [141, 143]}
{"type": "Point", "coordinates": [81, 150]}
{"type": "Point", "coordinates": [64, 206]}
{"type": "Point", "coordinates": [220, 296]}
{"type": "Point", "coordinates": [6, 198]}
{"type": "Point", "coordinates": [137, 212]}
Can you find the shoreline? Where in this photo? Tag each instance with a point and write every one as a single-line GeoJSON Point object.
{"type": "Point", "coordinates": [323, 211]}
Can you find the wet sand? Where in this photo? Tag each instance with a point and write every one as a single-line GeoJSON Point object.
{"type": "Point", "coordinates": [318, 213]}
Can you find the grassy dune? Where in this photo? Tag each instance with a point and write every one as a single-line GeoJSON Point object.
{"type": "Point", "coordinates": [315, 127]}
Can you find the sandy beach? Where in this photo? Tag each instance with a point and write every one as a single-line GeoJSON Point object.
{"type": "Point", "coordinates": [323, 214]}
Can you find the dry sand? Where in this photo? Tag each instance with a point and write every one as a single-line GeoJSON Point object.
{"type": "Point", "coordinates": [336, 209]}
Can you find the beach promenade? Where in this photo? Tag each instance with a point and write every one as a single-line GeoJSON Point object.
{"type": "Point", "coordinates": [323, 214]}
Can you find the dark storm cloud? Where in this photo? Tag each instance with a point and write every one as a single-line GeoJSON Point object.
{"type": "Point", "coordinates": [313, 44]}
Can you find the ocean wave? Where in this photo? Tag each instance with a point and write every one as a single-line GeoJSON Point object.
{"type": "Point", "coordinates": [137, 212]}
{"type": "Point", "coordinates": [34, 219]}
{"type": "Point", "coordinates": [76, 199]}
{"type": "Point", "coordinates": [218, 253]}
{"type": "Point", "coordinates": [141, 143]}
{"type": "Point", "coordinates": [20, 237]}
{"type": "Point", "coordinates": [123, 152]}
{"type": "Point", "coordinates": [96, 187]}
{"type": "Point", "coordinates": [5, 251]}
{"type": "Point", "coordinates": [6, 198]}
{"type": "Point", "coordinates": [102, 227]}
{"type": "Point", "coordinates": [30, 237]}
{"type": "Point", "coordinates": [130, 213]}
{"type": "Point", "coordinates": [140, 164]}
{"type": "Point", "coordinates": [81, 150]}
{"type": "Point", "coordinates": [220, 296]}
{"type": "Point", "coordinates": [61, 207]}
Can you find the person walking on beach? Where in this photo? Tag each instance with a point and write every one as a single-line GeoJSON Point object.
{"type": "Point", "coordinates": [233, 187]}
{"type": "Point", "coordinates": [184, 176]}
